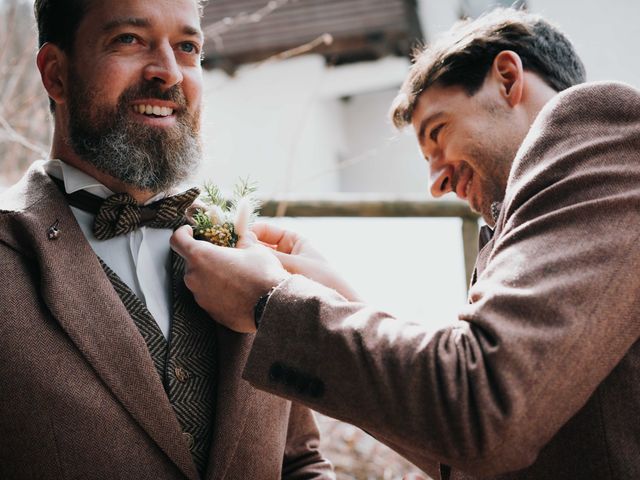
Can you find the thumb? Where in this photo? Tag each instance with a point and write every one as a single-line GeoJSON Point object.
{"type": "Point", "coordinates": [182, 240]}
{"type": "Point", "coordinates": [291, 263]}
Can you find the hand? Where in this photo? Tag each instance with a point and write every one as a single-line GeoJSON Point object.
{"type": "Point", "coordinates": [227, 282]}
{"type": "Point", "coordinates": [298, 256]}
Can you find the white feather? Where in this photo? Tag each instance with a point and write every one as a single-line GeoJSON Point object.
{"type": "Point", "coordinates": [244, 208]}
{"type": "Point", "coordinates": [216, 215]}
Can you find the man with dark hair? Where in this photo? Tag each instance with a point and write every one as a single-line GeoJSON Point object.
{"type": "Point", "coordinates": [464, 56]}
{"type": "Point", "coordinates": [108, 368]}
{"type": "Point", "coordinates": [538, 377]}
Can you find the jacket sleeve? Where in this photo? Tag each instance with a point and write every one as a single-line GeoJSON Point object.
{"type": "Point", "coordinates": [302, 457]}
{"type": "Point", "coordinates": [549, 318]}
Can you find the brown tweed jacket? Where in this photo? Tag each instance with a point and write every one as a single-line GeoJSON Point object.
{"type": "Point", "coordinates": [80, 397]}
{"type": "Point", "coordinates": [540, 376]}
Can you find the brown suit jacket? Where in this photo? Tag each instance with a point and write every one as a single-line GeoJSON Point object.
{"type": "Point", "coordinates": [540, 376]}
{"type": "Point", "coordinates": [79, 395]}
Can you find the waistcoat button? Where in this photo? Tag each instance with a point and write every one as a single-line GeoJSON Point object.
{"type": "Point", "coordinates": [181, 374]}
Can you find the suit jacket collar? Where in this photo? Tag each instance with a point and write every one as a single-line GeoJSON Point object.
{"type": "Point", "coordinates": [80, 297]}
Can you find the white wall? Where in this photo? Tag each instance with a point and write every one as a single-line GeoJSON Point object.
{"type": "Point", "coordinates": [270, 123]}
{"type": "Point", "coordinates": [379, 159]}
{"type": "Point", "coordinates": [299, 126]}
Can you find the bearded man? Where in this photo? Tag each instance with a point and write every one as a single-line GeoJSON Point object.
{"type": "Point", "coordinates": [108, 367]}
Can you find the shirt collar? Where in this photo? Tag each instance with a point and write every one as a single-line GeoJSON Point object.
{"type": "Point", "coordinates": [75, 179]}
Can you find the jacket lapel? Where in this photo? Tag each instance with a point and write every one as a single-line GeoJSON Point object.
{"type": "Point", "coordinates": [81, 298]}
{"type": "Point", "coordinates": [234, 397]}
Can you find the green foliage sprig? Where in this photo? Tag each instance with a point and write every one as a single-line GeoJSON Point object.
{"type": "Point", "coordinates": [221, 221]}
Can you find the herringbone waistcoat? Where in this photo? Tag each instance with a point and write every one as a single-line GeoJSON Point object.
{"type": "Point", "coordinates": [186, 363]}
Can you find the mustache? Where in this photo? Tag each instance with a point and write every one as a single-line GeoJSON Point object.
{"type": "Point", "coordinates": [152, 90]}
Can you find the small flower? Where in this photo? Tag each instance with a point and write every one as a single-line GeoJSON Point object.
{"type": "Point", "coordinates": [220, 221]}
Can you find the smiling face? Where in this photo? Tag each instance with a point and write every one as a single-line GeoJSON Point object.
{"type": "Point", "coordinates": [135, 90]}
{"type": "Point", "coordinates": [469, 143]}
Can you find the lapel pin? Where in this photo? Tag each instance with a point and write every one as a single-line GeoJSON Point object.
{"type": "Point", "coordinates": [54, 232]}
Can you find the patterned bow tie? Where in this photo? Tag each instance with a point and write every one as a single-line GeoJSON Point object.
{"type": "Point", "coordinates": [120, 213]}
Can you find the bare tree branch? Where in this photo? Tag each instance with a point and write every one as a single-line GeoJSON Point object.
{"type": "Point", "coordinates": [24, 119]}
{"type": "Point", "coordinates": [11, 135]}
{"type": "Point", "coordinates": [215, 30]}
{"type": "Point", "coordinates": [324, 39]}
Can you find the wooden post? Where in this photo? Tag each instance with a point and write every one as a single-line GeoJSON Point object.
{"type": "Point", "coordinates": [349, 205]}
{"type": "Point", "coordinates": [357, 205]}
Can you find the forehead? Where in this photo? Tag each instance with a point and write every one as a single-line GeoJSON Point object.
{"type": "Point", "coordinates": [162, 14]}
{"type": "Point", "coordinates": [437, 98]}
{"type": "Point", "coordinates": [438, 102]}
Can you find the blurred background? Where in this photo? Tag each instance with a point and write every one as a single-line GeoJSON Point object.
{"type": "Point", "coordinates": [296, 97]}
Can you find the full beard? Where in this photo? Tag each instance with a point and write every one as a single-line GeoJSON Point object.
{"type": "Point", "coordinates": [142, 156]}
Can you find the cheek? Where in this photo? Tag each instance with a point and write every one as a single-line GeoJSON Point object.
{"type": "Point", "coordinates": [110, 79]}
{"type": "Point", "coordinates": [192, 88]}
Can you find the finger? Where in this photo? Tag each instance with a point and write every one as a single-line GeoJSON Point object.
{"type": "Point", "coordinates": [268, 245]}
{"type": "Point", "coordinates": [182, 240]}
{"type": "Point", "coordinates": [291, 263]}
{"type": "Point", "coordinates": [289, 241]}
{"type": "Point", "coordinates": [267, 232]}
{"type": "Point", "coordinates": [284, 240]}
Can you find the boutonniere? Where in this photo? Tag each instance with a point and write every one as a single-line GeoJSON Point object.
{"type": "Point", "coordinates": [223, 221]}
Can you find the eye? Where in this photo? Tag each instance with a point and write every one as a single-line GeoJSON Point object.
{"type": "Point", "coordinates": [433, 135]}
{"type": "Point", "coordinates": [126, 39]}
{"type": "Point", "coordinates": [189, 47]}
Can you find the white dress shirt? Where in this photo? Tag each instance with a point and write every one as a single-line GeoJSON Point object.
{"type": "Point", "coordinates": [140, 258]}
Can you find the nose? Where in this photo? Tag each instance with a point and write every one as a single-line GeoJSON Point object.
{"type": "Point", "coordinates": [440, 180]}
{"type": "Point", "coordinates": [164, 68]}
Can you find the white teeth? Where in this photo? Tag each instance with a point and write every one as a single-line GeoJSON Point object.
{"type": "Point", "coordinates": [153, 110]}
{"type": "Point", "coordinates": [467, 188]}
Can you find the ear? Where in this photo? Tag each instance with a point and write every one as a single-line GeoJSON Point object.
{"type": "Point", "coordinates": [508, 72]}
{"type": "Point", "coordinates": [51, 61]}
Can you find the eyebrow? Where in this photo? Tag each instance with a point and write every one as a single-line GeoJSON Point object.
{"type": "Point", "coordinates": [427, 121]}
{"type": "Point", "coordinates": [129, 21]}
{"type": "Point", "coordinates": [146, 23]}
